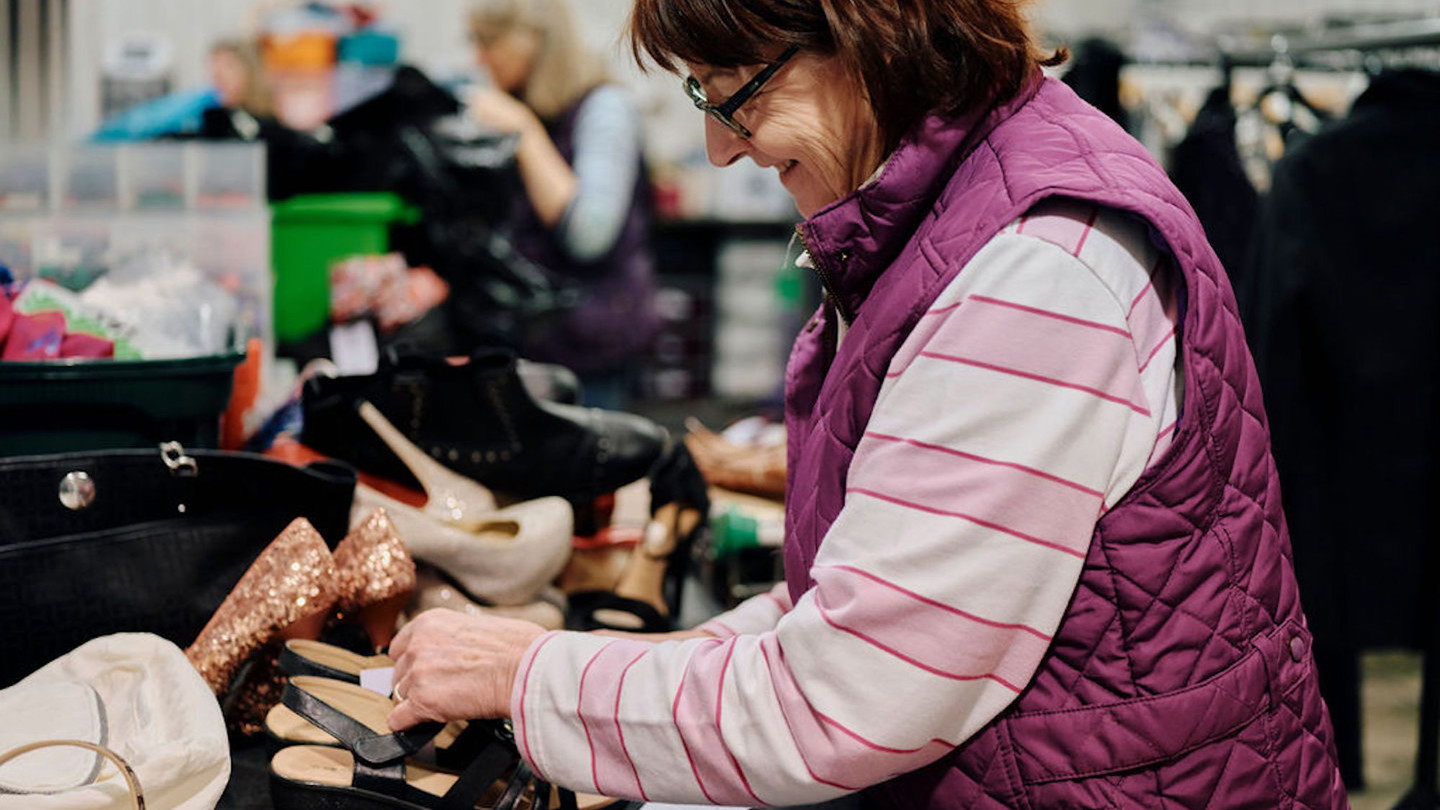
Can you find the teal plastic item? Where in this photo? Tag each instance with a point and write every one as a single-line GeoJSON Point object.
{"type": "Point", "coordinates": [373, 48]}
{"type": "Point", "coordinates": [177, 112]}
{"type": "Point", "coordinates": [310, 232]}
{"type": "Point", "coordinates": [70, 406]}
{"type": "Point", "coordinates": [735, 530]}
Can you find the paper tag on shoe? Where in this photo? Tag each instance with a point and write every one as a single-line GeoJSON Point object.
{"type": "Point", "coordinates": [354, 348]}
{"type": "Point", "coordinates": [379, 679]}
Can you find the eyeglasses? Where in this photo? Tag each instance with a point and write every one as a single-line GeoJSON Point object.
{"type": "Point", "coordinates": [724, 112]}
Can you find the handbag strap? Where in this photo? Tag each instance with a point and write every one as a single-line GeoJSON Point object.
{"type": "Point", "coordinates": [137, 795]}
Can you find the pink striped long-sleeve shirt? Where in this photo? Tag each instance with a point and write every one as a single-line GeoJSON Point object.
{"type": "Point", "coordinates": [1027, 401]}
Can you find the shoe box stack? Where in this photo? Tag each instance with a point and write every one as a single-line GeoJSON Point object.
{"type": "Point", "coordinates": [756, 296]}
{"type": "Point", "coordinates": [682, 352]}
{"type": "Point", "coordinates": [730, 303]}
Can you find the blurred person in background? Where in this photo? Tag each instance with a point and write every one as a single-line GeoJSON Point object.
{"type": "Point", "coordinates": [235, 101]}
{"type": "Point", "coordinates": [585, 212]}
{"type": "Point", "coordinates": [239, 78]}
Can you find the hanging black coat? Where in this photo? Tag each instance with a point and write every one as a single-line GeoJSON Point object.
{"type": "Point", "coordinates": [1206, 167]}
{"type": "Point", "coordinates": [1343, 308]}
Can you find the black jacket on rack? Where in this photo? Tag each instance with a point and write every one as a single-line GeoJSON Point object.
{"type": "Point", "coordinates": [1343, 310]}
{"type": "Point", "coordinates": [1206, 167]}
{"type": "Point", "coordinates": [1342, 305]}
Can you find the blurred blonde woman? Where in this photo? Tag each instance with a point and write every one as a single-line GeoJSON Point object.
{"type": "Point", "coordinates": [239, 77]}
{"type": "Point", "coordinates": [585, 214]}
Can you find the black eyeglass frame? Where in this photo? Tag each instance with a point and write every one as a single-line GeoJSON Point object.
{"type": "Point", "coordinates": [724, 112]}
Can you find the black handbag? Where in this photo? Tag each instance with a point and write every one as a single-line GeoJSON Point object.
{"type": "Point", "coordinates": [141, 540]}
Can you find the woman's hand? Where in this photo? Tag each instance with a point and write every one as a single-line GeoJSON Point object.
{"type": "Point", "coordinates": [501, 111]}
{"type": "Point", "coordinates": [453, 666]}
{"type": "Point", "coordinates": [549, 181]}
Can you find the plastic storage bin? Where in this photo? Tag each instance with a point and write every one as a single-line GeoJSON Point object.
{"type": "Point", "coordinates": [102, 404]}
{"type": "Point", "coordinates": [230, 177]}
{"type": "Point", "coordinates": [71, 214]}
{"type": "Point", "coordinates": [25, 178]}
{"type": "Point", "coordinates": [154, 177]}
{"type": "Point", "coordinates": [91, 179]}
{"type": "Point", "coordinates": [311, 231]}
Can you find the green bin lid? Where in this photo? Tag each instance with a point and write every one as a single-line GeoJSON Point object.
{"type": "Point", "coordinates": [381, 207]}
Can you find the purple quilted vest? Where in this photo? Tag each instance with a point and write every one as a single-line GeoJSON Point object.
{"type": "Point", "coordinates": [1181, 675]}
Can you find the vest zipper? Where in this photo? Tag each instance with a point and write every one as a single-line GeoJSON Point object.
{"type": "Point", "coordinates": [825, 283]}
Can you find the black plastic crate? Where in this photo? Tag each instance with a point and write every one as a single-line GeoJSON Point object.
{"type": "Point", "coordinates": [58, 407]}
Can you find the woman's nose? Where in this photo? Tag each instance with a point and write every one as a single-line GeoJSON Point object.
{"type": "Point", "coordinates": [722, 144]}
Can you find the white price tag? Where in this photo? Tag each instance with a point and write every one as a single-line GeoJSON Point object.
{"type": "Point", "coordinates": [378, 679]}
{"type": "Point", "coordinates": [354, 349]}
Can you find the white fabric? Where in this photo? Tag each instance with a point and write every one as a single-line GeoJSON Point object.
{"type": "Point", "coordinates": [38, 710]}
{"type": "Point", "coordinates": [157, 714]}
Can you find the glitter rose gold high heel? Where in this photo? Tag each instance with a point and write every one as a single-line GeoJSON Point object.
{"type": "Point", "coordinates": [288, 591]}
{"type": "Point", "coordinates": [375, 576]}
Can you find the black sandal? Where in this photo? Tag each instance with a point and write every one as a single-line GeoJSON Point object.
{"type": "Point", "coordinates": [374, 771]}
{"type": "Point", "coordinates": [299, 719]}
{"type": "Point", "coordinates": [317, 658]}
{"type": "Point", "coordinates": [607, 610]}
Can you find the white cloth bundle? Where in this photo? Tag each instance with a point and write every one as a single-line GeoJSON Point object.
{"type": "Point", "coordinates": [133, 693]}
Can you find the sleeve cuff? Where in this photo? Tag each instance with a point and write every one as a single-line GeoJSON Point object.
{"type": "Point", "coordinates": [542, 701]}
{"type": "Point", "coordinates": [518, 692]}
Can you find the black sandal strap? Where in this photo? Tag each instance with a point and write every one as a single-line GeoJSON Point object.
{"type": "Point", "coordinates": [293, 663]}
{"type": "Point", "coordinates": [586, 605]}
{"type": "Point", "coordinates": [368, 745]}
{"type": "Point", "coordinates": [542, 795]}
{"type": "Point", "coordinates": [387, 779]}
{"type": "Point", "coordinates": [489, 765]}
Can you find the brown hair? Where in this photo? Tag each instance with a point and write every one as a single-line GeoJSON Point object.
{"type": "Point", "coordinates": [911, 56]}
{"type": "Point", "coordinates": [564, 69]}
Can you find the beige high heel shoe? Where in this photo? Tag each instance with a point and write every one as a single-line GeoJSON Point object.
{"type": "Point", "coordinates": [450, 498]}
{"type": "Point", "coordinates": [502, 556]}
{"type": "Point", "coordinates": [506, 560]}
{"type": "Point", "coordinates": [432, 591]}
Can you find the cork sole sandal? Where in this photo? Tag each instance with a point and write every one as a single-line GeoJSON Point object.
{"type": "Point", "coordinates": [364, 765]}
{"type": "Point", "coordinates": [305, 777]}
{"type": "Point", "coordinates": [313, 778]}
{"type": "Point", "coordinates": [290, 721]}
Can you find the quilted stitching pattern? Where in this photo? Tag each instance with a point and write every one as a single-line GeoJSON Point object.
{"type": "Point", "coordinates": [1180, 577]}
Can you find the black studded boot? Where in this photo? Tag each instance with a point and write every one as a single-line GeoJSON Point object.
{"type": "Point", "coordinates": [477, 418]}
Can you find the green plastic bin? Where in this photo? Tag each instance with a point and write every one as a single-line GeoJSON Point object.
{"type": "Point", "coordinates": [67, 406]}
{"type": "Point", "coordinates": [311, 231]}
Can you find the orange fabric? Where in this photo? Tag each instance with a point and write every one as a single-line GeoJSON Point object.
{"type": "Point", "coordinates": [291, 451]}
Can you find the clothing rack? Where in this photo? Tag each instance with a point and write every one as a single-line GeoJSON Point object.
{"type": "Point", "coordinates": [1363, 39]}
{"type": "Point", "coordinates": [1351, 48]}
{"type": "Point", "coordinates": [1366, 41]}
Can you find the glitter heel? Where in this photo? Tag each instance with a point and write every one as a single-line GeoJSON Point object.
{"type": "Point", "coordinates": [375, 576]}
{"type": "Point", "coordinates": [288, 591]}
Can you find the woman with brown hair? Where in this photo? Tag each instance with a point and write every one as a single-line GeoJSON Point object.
{"type": "Point", "coordinates": [1034, 551]}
